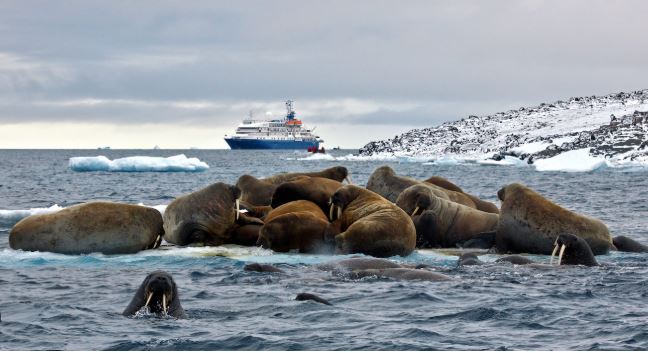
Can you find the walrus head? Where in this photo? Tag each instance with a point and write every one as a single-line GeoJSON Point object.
{"type": "Point", "coordinates": [340, 199]}
{"type": "Point", "coordinates": [423, 202]}
{"type": "Point", "coordinates": [159, 290]}
{"type": "Point", "coordinates": [573, 250]}
{"type": "Point", "coordinates": [338, 173]}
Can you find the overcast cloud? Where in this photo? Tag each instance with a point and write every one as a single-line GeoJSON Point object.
{"type": "Point", "coordinates": [358, 70]}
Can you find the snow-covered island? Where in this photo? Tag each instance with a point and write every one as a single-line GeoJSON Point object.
{"type": "Point", "coordinates": [581, 131]}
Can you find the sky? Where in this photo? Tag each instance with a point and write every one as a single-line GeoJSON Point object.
{"type": "Point", "coordinates": [181, 74]}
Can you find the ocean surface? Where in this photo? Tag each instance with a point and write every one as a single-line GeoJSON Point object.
{"type": "Point", "coordinates": [51, 301]}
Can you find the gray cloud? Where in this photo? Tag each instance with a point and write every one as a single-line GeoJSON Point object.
{"type": "Point", "coordinates": [424, 61]}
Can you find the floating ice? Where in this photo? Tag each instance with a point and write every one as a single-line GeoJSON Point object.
{"type": "Point", "coordinates": [179, 163]}
{"type": "Point", "coordinates": [507, 161]}
{"type": "Point", "coordinates": [571, 161]}
{"type": "Point", "coordinates": [10, 217]}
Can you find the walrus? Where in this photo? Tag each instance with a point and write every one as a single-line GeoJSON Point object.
{"type": "Point", "coordinates": [369, 224]}
{"type": "Point", "coordinates": [443, 182]}
{"type": "Point", "coordinates": [313, 297]}
{"type": "Point", "coordinates": [623, 243]}
{"type": "Point", "coordinates": [259, 191]}
{"type": "Point", "coordinates": [408, 274]}
{"type": "Point", "coordinates": [357, 263]}
{"type": "Point", "coordinates": [443, 223]}
{"type": "Point", "coordinates": [387, 184]}
{"type": "Point", "coordinates": [257, 267]}
{"type": "Point", "coordinates": [297, 225]}
{"type": "Point", "coordinates": [105, 227]}
{"type": "Point", "coordinates": [529, 223]}
{"type": "Point", "coordinates": [159, 293]}
{"type": "Point", "coordinates": [574, 250]}
{"type": "Point", "coordinates": [469, 259]}
{"type": "Point", "coordinates": [516, 260]}
{"type": "Point", "coordinates": [314, 189]}
{"type": "Point", "coordinates": [209, 216]}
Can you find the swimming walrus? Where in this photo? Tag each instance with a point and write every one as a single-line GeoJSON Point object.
{"type": "Point", "coordinates": [385, 182]}
{"type": "Point", "coordinates": [209, 216]}
{"type": "Point", "coordinates": [314, 189]}
{"type": "Point", "coordinates": [530, 223]}
{"type": "Point", "coordinates": [159, 293]}
{"type": "Point", "coordinates": [623, 243]}
{"type": "Point", "coordinates": [297, 225]}
{"type": "Point", "coordinates": [106, 227]}
{"type": "Point", "coordinates": [443, 223]}
{"type": "Point", "coordinates": [259, 192]}
{"type": "Point", "coordinates": [408, 274]}
{"type": "Point", "coordinates": [367, 223]}
{"type": "Point", "coordinates": [570, 249]}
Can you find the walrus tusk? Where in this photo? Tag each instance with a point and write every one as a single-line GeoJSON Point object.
{"type": "Point", "coordinates": [339, 212]}
{"type": "Point", "coordinates": [164, 305]}
{"type": "Point", "coordinates": [331, 212]}
{"type": "Point", "coordinates": [238, 205]}
{"type": "Point", "coordinates": [348, 180]}
{"type": "Point", "coordinates": [415, 210]}
{"type": "Point", "coordinates": [562, 251]}
{"type": "Point", "coordinates": [553, 253]}
{"type": "Point", "coordinates": [148, 299]}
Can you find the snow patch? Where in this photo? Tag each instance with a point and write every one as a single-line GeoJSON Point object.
{"type": "Point", "coordinates": [571, 161]}
{"type": "Point", "coordinates": [179, 163]}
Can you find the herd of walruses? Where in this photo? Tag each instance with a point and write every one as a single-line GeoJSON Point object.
{"type": "Point", "coordinates": [314, 212]}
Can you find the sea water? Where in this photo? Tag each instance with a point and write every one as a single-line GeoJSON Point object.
{"type": "Point", "coordinates": [53, 301]}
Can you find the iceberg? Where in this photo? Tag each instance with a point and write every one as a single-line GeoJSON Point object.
{"type": "Point", "coordinates": [10, 217]}
{"type": "Point", "coordinates": [572, 161]}
{"type": "Point", "coordinates": [179, 163]}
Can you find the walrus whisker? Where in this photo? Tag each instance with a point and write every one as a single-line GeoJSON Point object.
{"type": "Point", "coordinates": [148, 300]}
{"type": "Point", "coordinates": [562, 251]}
{"type": "Point", "coordinates": [238, 206]}
{"type": "Point", "coordinates": [164, 303]}
{"type": "Point", "coordinates": [553, 253]}
{"type": "Point", "coordinates": [331, 212]}
{"type": "Point", "coordinates": [415, 210]}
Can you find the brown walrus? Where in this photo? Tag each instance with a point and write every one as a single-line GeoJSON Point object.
{"type": "Point", "coordinates": [314, 189]}
{"type": "Point", "coordinates": [370, 224]}
{"type": "Point", "coordinates": [443, 182]}
{"type": "Point", "coordinates": [106, 227]}
{"type": "Point", "coordinates": [209, 216]}
{"type": "Point", "coordinates": [530, 223]}
{"type": "Point", "coordinates": [385, 182]}
{"type": "Point", "coordinates": [479, 203]}
{"type": "Point", "coordinates": [259, 192]}
{"type": "Point", "coordinates": [297, 225]}
{"type": "Point", "coordinates": [443, 223]}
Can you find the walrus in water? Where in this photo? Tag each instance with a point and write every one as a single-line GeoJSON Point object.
{"type": "Point", "coordinates": [623, 243]}
{"type": "Point", "coordinates": [530, 223]}
{"type": "Point", "coordinates": [443, 223]}
{"type": "Point", "coordinates": [387, 184]}
{"type": "Point", "coordinates": [209, 216]}
{"type": "Point", "coordinates": [297, 225]}
{"type": "Point", "coordinates": [369, 224]}
{"type": "Point", "coordinates": [159, 293]}
{"type": "Point", "coordinates": [571, 250]}
{"type": "Point", "coordinates": [259, 192]}
{"type": "Point", "coordinates": [106, 227]}
{"type": "Point", "coordinates": [408, 274]}
{"type": "Point", "coordinates": [314, 189]}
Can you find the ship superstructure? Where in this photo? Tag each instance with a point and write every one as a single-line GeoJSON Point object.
{"type": "Point", "coordinates": [286, 133]}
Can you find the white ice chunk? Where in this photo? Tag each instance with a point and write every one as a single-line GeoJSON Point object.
{"type": "Point", "coordinates": [179, 163]}
{"type": "Point", "coordinates": [571, 161]}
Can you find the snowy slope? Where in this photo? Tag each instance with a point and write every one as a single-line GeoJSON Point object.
{"type": "Point", "coordinates": [531, 134]}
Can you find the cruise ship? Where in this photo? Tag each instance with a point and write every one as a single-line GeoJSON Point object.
{"type": "Point", "coordinates": [287, 133]}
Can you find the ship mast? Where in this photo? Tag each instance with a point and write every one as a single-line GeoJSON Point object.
{"type": "Point", "coordinates": [290, 114]}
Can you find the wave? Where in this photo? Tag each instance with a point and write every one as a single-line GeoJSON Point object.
{"type": "Point", "coordinates": [179, 163]}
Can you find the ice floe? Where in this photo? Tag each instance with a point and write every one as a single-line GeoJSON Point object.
{"type": "Point", "coordinates": [179, 163]}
